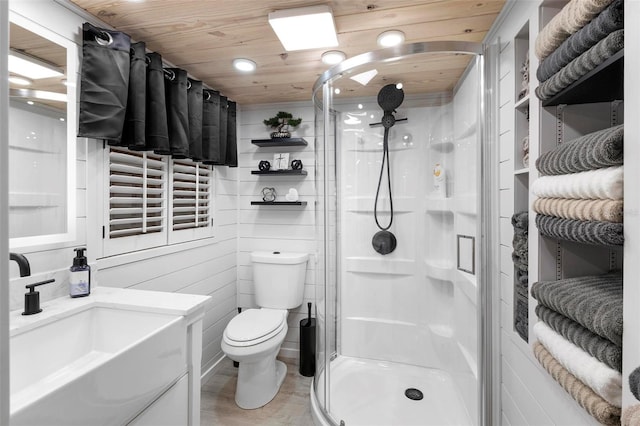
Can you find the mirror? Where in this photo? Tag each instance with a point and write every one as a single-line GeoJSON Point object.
{"type": "Point", "coordinates": [42, 149]}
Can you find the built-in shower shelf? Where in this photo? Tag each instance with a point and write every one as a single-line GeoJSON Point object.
{"type": "Point", "coordinates": [444, 147]}
{"type": "Point", "coordinates": [521, 171]}
{"type": "Point", "coordinates": [471, 361]}
{"type": "Point", "coordinates": [439, 270]}
{"type": "Point", "coordinates": [441, 330]}
{"type": "Point", "coordinates": [469, 130]}
{"type": "Point", "coordinates": [439, 205]}
{"type": "Point", "coordinates": [279, 142]}
{"type": "Point", "coordinates": [468, 285]}
{"type": "Point", "coordinates": [379, 265]}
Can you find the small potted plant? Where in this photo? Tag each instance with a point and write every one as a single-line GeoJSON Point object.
{"type": "Point", "coordinates": [282, 122]}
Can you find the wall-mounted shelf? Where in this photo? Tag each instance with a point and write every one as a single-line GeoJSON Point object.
{"type": "Point", "coordinates": [605, 83]}
{"type": "Point", "coordinates": [279, 142]}
{"type": "Point", "coordinates": [278, 203]}
{"type": "Point", "coordinates": [289, 172]}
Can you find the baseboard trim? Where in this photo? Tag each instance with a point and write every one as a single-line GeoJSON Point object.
{"type": "Point", "coordinates": [213, 369]}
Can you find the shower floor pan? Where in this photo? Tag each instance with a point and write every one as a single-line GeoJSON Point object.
{"type": "Point", "coordinates": [371, 393]}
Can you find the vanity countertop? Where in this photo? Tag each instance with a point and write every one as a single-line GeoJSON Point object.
{"type": "Point", "coordinates": [190, 306]}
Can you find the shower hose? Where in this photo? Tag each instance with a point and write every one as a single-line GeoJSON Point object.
{"type": "Point", "coordinates": [385, 160]}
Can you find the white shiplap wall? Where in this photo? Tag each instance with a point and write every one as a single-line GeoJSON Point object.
{"type": "Point", "coordinates": [271, 228]}
{"type": "Point", "coordinates": [207, 267]}
{"type": "Point", "coordinates": [529, 396]}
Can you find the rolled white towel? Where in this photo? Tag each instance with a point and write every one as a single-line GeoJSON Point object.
{"type": "Point", "coordinates": [600, 184]}
{"type": "Point", "coordinates": [604, 380]}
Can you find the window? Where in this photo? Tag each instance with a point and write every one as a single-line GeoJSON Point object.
{"type": "Point", "coordinates": [191, 199]}
{"type": "Point", "coordinates": [153, 201]}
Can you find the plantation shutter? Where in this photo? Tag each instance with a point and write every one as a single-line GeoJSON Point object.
{"type": "Point", "coordinates": [191, 201]}
{"type": "Point", "coordinates": [137, 194]}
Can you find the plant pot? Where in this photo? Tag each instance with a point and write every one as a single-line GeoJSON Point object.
{"type": "Point", "coordinates": [278, 135]}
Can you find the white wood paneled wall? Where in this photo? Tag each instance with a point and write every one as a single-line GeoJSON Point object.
{"type": "Point", "coordinates": [271, 228]}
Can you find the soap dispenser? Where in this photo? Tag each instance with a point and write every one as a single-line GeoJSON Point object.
{"type": "Point", "coordinates": [80, 279]}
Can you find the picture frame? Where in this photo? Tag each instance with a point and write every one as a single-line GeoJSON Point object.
{"type": "Point", "coordinates": [280, 161]}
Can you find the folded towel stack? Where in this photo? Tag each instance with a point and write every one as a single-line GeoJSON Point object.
{"type": "Point", "coordinates": [520, 256]}
{"type": "Point", "coordinates": [583, 35]}
{"type": "Point", "coordinates": [594, 404]}
{"type": "Point", "coordinates": [609, 20]}
{"type": "Point", "coordinates": [581, 189]}
{"type": "Point", "coordinates": [580, 335]}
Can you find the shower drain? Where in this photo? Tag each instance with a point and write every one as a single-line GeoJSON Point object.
{"type": "Point", "coordinates": [414, 394]}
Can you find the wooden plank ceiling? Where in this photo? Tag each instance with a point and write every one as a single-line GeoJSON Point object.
{"type": "Point", "coordinates": [204, 36]}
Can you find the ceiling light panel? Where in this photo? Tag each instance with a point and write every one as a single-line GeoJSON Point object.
{"type": "Point", "coordinates": [305, 27]}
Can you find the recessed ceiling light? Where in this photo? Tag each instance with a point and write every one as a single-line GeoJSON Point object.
{"type": "Point", "coordinates": [399, 86]}
{"type": "Point", "coordinates": [336, 91]}
{"type": "Point", "coordinates": [31, 67]}
{"type": "Point", "coordinates": [21, 81]}
{"type": "Point", "coordinates": [333, 57]}
{"type": "Point", "coordinates": [30, 102]}
{"type": "Point", "coordinates": [391, 38]}
{"type": "Point", "coordinates": [244, 65]}
{"type": "Point", "coordinates": [304, 27]}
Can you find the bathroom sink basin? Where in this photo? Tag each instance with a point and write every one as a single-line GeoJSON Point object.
{"type": "Point", "coordinates": [94, 366]}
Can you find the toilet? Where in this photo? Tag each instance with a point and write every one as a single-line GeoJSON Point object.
{"type": "Point", "coordinates": [253, 338]}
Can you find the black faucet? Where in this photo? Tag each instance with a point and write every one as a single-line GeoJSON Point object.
{"type": "Point", "coordinates": [32, 298]}
{"type": "Point", "coordinates": [23, 263]}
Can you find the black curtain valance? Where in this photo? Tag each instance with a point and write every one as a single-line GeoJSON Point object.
{"type": "Point", "coordinates": [128, 99]}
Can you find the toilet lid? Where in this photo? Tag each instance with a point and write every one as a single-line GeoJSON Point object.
{"type": "Point", "coordinates": [255, 325]}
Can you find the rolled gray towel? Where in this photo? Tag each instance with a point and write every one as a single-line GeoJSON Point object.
{"type": "Point", "coordinates": [523, 277]}
{"type": "Point", "coordinates": [521, 317]}
{"type": "Point", "coordinates": [608, 21]}
{"type": "Point", "coordinates": [634, 383]}
{"type": "Point", "coordinates": [581, 231]}
{"type": "Point", "coordinates": [596, 346]}
{"type": "Point", "coordinates": [596, 150]}
{"type": "Point", "coordinates": [580, 66]}
{"type": "Point", "coordinates": [595, 302]}
{"type": "Point", "coordinates": [520, 220]}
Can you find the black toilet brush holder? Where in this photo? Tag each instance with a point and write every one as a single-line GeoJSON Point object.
{"type": "Point", "coordinates": [308, 345]}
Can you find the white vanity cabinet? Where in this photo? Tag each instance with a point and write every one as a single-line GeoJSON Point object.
{"type": "Point", "coordinates": [170, 409]}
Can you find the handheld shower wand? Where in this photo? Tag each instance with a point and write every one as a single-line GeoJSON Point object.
{"type": "Point", "coordinates": [390, 97]}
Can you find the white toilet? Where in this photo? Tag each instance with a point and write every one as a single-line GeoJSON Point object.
{"type": "Point", "coordinates": [253, 338]}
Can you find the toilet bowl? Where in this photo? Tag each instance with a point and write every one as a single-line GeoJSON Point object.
{"type": "Point", "coordinates": [253, 338]}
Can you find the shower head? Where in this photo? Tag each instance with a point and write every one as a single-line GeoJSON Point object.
{"type": "Point", "coordinates": [390, 97]}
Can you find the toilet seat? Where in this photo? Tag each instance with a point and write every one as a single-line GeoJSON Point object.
{"type": "Point", "coordinates": [254, 326]}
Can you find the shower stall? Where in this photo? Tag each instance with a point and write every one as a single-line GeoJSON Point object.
{"type": "Point", "coordinates": [400, 335]}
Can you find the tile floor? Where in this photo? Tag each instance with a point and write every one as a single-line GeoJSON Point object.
{"type": "Point", "coordinates": [291, 405]}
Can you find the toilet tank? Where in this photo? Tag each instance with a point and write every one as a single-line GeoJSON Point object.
{"type": "Point", "coordinates": [278, 278]}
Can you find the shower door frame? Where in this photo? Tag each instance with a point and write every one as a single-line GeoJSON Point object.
{"type": "Point", "coordinates": [487, 392]}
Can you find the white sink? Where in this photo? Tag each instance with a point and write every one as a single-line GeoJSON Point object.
{"type": "Point", "coordinates": [94, 366]}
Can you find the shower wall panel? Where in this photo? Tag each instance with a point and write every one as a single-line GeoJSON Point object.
{"type": "Point", "coordinates": [390, 309]}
